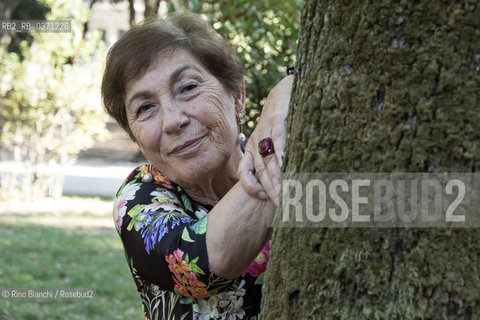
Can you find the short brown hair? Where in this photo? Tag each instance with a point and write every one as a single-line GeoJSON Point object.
{"type": "Point", "coordinates": [131, 56]}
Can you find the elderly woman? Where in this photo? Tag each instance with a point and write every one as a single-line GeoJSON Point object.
{"type": "Point", "coordinates": [196, 238]}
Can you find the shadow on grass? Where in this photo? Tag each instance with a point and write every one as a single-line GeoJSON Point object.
{"type": "Point", "coordinates": [34, 256]}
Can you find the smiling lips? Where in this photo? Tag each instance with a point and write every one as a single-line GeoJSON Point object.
{"type": "Point", "coordinates": [187, 146]}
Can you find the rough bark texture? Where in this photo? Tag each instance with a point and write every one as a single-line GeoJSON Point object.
{"type": "Point", "coordinates": [381, 86]}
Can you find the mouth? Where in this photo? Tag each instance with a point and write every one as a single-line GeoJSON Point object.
{"type": "Point", "coordinates": [187, 146]}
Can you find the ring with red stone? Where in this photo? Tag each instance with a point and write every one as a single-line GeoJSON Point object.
{"type": "Point", "coordinates": [265, 147]}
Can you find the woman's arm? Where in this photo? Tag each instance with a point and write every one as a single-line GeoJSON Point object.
{"type": "Point", "coordinates": [238, 228]}
{"type": "Point", "coordinates": [239, 225]}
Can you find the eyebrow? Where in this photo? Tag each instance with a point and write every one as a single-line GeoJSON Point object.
{"type": "Point", "coordinates": [173, 77]}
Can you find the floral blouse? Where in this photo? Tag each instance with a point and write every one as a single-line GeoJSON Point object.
{"type": "Point", "coordinates": [163, 232]}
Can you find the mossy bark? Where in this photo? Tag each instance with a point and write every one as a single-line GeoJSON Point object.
{"type": "Point", "coordinates": [381, 86]}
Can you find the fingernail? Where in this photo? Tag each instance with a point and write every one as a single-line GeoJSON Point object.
{"type": "Point", "coordinates": [262, 195]}
{"type": "Point", "coordinates": [275, 201]}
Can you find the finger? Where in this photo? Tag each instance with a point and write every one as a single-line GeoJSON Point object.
{"type": "Point", "coordinates": [274, 171]}
{"type": "Point", "coordinates": [247, 178]}
{"type": "Point", "coordinates": [261, 168]}
{"type": "Point", "coordinates": [279, 138]}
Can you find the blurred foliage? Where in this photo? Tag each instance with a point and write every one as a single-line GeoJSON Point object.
{"type": "Point", "coordinates": [50, 101]}
{"type": "Point", "coordinates": [263, 34]}
{"type": "Point", "coordinates": [26, 9]}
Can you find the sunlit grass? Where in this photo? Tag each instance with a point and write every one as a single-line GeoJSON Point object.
{"type": "Point", "coordinates": [66, 252]}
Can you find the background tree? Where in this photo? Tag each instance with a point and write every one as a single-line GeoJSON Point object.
{"type": "Point", "coordinates": [49, 103]}
{"type": "Point", "coordinates": [150, 9]}
{"type": "Point", "coordinates": [381, 86]}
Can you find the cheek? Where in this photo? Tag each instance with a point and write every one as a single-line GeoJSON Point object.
{"type": "Point", "coordinates": [223, 129]}
{"type": "Point", "coordinates": [220, 117]}
{"type": "Point", "coordinates": [147, 134]}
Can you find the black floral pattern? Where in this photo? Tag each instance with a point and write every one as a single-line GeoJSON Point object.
{"type": "Point", "coordinates": [163, 232]}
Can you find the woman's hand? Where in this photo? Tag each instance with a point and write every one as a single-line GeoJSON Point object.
{"type": "Point", "coordinates": [259, 176]}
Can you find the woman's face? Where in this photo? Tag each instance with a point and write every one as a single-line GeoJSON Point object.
{"type": "Point", "coordinates": [183, 118]}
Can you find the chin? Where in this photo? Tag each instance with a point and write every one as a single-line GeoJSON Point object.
{"type": "Point", "coordinates": [201, 168]}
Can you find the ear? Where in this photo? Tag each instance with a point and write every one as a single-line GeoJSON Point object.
{"type": "Point", "coordinates": [240, 99]}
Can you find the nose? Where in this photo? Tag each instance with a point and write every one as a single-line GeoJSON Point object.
{"type": "Point", "coordinates": [174, 118]}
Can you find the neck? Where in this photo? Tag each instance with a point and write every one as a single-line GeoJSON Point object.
{"type": "Point", "coordinates": [214, 185]}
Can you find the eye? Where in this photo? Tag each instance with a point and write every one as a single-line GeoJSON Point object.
{"type": "Point", "coordinates": [188, 87]}
{"type": "Point", "coordinates": [144, 107]}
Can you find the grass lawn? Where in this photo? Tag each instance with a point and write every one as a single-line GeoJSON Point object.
{"type": "Point", "coordinates": [67, 244]}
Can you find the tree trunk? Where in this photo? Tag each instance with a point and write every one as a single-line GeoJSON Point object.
{"type": "Point", "coordinates": [381, 87]}
{"type": "Point", "coordinates": [7, 7]}
{"type": "Point", "coordinates": [150, 7]}
{"type": "Point", "coordinates": [131, 13]}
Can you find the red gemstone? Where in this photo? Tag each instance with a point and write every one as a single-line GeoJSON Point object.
{"type": "Point", "coordinates": [265, 147]}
